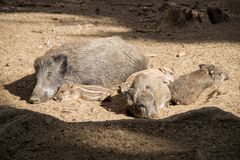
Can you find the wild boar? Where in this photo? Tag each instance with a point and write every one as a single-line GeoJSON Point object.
{"type": "Point", "coordinates": [86, 92]}
{"type": "Point", "coordinates": [189, 87]}
{"type": "Point", "coordinates": [164, 73]}
{"type": "Point", "coordinates": [148, 94]}
{"type": "Point", "coordinates": [103, 61]}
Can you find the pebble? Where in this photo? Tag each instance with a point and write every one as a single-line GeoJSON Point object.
{"type": "Point", "coordinates": [181, 54]}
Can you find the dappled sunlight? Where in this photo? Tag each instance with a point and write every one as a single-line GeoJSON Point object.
{"type": "Point", "coordinates": [138, 17]}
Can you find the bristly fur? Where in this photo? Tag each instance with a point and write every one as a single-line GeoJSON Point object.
{"type": "Point", "coordinates": [189, 87]}
{"type": "Point", "coordinates": [148, 94]}
{"type": "Point", "coordinates": [103, 61]}
{"type": "Point", "coordinates": [62, 60]}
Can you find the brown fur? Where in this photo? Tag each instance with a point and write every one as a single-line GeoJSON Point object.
{"type": "Point", "coordinates": [86, 92]}
{"type": "Point", "coordinates": [177, 16]}
{"type": "Point", "coordinates": [166, 74]}
{"type": "Point", "coordinates": [189, 87]}
{"type": "Point", "coordinates": [147, 95]}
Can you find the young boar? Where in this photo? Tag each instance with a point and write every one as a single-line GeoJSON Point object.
{"type": "Point", "coordinates": [86, 92]}
{"type": "Point", "coordinates": [166, 74]}
{"type": "Point", "coordinates": [178, 17]}
{"type": "Point", "coordinates": [148, 94]}
{"type": "Point", "coordinates": [104, 61]}
{"type": "Point", "coordinates": [189, 87]}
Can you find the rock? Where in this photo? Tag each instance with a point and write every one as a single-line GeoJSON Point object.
{"type": "Point", "coordinates": [181, 54]}
{"type": "Point", "coordinates": [170, 4]}
{"type": "Point", "coordinates": [216, 14]}
{"type": "Point", "coordinates": [97, 11]}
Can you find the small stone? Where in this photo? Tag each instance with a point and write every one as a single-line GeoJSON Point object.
{"type": "Point", "coordinates": [108, 109]}
{"type": "Point", "coordinates": [40, 31]}
{"type": "Point", "coordinates": [97, 11]}
{"type": "Point", "coordinates": [74, 120]}
{"type": "Point", "coordinates": [132, 10]}
{"type": "Point", "coordinates": [54, 18]}
{"type": "Point", "coordinates": [170, 3]}
{"type": "Point", "coordinates": [181, 54]}
{"type": "Point", "coordinates": [92, 110]}
{"type": "Point", "coordinates": [185, 4]}
{"type": "Point", "coordinates": [7, 64]}
{"type": "Point", "coordinates": [216, 14]}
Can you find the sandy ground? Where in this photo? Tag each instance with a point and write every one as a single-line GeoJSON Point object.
{"type": "Point", "coordinates": [94, 130]}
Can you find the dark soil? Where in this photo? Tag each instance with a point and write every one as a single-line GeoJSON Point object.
{"type": "Point", "coordinates": [208, 133]}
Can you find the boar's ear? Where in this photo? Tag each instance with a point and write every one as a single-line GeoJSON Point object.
{"type": "Point", "coordinates": [130, 96]}
{"type": "Point", "coordinates": [203, 66]}
{"type": "Point", "coordinates": [211, 70]}
{"type": "Point", "coordinates": [37, 63]}
{"type": "Point", "coordinates": [148, 88]}
{"type": "Point", "coordinates": [61, 61]}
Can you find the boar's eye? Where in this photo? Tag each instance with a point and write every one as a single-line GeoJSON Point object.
{"type": "Point", "coordinates": [62, 92]}
{"type": "Point", "coordinates": [148, 87]}
{"type": "Point", "coordinates": [49, 74]}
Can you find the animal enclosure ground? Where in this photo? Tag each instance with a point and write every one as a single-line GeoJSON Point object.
{"type": "Point", "coordinates": [94, 130]}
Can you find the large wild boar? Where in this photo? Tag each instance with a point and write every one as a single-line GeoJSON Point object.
{"type": "Point", "coordinates": [103, 61]}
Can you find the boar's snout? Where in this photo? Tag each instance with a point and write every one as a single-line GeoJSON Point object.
{"type": "Point", "coordinates": [34, 99]}
{"type": "Point", "coordinates": [40, 95]}
{"type": "Point", "coordinates": [137, 111]}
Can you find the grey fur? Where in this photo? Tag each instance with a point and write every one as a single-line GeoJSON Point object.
{"type": "Point", "coordinates": [104, 61]}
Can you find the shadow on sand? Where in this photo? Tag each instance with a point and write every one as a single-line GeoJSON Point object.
{"type": "Point", "coordinates": [207, 133]}
{"type": "Point", "coordinates": [22, 87]}
{"type": "Point", "coordinates": [116, 104]}
{"type": "Point", "coordinates": [138, 15]}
